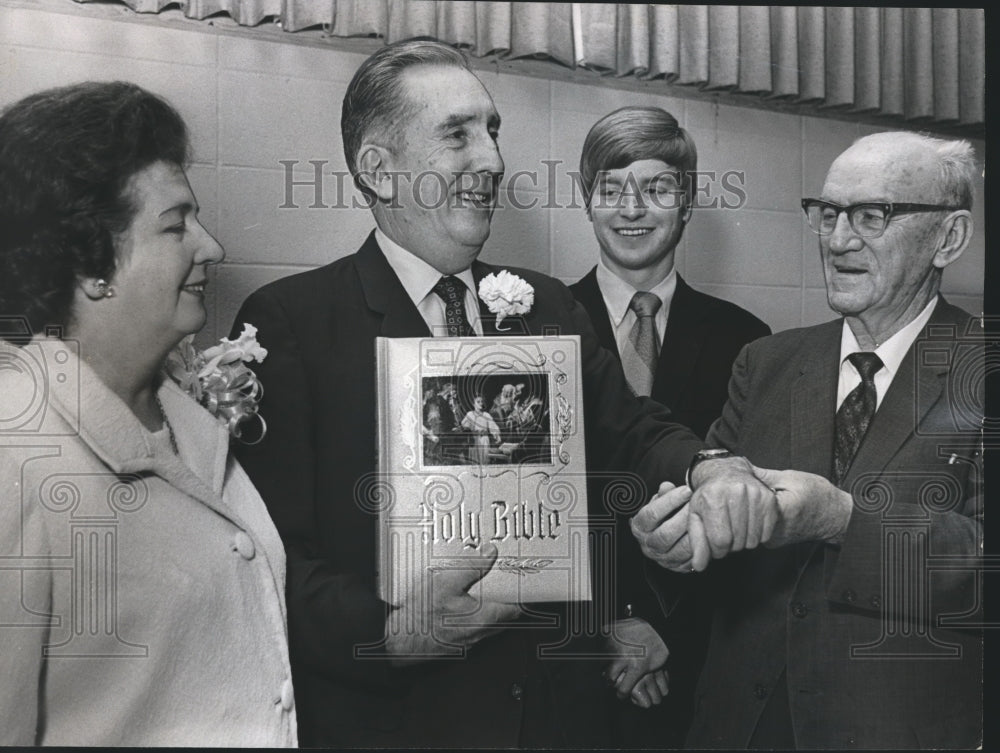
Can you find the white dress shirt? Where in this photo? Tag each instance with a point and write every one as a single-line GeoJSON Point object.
{"type": "Point", "coordinates": [892, 352]}
{"type": "Point", "coordinates": [618, 294]}
{"type": "Point", "coordinates": [419, 278]}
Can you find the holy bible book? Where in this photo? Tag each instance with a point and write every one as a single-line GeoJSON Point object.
{"type": "Point", "coordinates": [480, 441]}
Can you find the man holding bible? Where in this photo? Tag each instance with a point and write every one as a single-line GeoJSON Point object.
{"type": "Point", "coordinates": [415, 109]}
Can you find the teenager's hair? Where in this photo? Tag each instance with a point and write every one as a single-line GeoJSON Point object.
{"type": "Point", "coordinates": [630, 134]}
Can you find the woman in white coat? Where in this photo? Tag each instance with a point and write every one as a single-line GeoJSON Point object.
{"type": "Point", "coordinates": [141, 579]}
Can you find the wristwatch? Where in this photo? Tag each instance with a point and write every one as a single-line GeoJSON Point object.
{"type": "Point", "coordinates": [702, 455]}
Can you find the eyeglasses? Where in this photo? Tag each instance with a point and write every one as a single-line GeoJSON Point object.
{"type": "Point", "coordinates": [662, 195]}
{"type": "Point", "coordinates": [868, 220]}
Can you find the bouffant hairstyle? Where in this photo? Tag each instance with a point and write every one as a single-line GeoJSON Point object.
{"type": "Point", "coordinates": [630, 134]}
{"type": "Point", "coordinates": [67, 156]}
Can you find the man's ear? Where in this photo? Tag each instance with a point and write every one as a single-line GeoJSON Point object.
{"type": "Point", "coordinates": [686, 214]}
{"type": "Point", "coordinates": [373, 171]}
{"type": "Point", "coordinates": [956, 232]}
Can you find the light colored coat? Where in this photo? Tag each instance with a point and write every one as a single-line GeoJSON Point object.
{"type": "Point", "coordinates": [141, 593]}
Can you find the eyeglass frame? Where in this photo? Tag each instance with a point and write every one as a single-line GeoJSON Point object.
{"type": "Point", "coordinates": [889, 208]}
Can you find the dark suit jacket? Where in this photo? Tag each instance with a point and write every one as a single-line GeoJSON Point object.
{"type": "Point", "coordinates": [319, 404]}
{"type": "Point", "coordinates": [916, 480]}
{"type": "Point", "coordinates": [703, 337]}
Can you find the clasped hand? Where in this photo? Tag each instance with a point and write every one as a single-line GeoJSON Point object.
{"type": "Point", "coordinates": [738, 506]}
{"type": "Point", "coordinates": [439, 617]}
{"type": "Point", "coordinates": [729, 510]}
{"type": "Point", "coordinates": [636, 670]}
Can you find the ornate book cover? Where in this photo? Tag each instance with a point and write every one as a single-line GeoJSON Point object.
{"type": "Point", "coordinates": [481, 441]}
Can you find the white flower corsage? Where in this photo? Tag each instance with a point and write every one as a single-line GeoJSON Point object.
{"type": "Point", "coordinates": [506, 295]}
{"type": "Point", "coordinates": [219, 379]}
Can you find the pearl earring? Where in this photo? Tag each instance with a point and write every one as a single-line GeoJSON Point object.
{"type": "Point", "coordinates": [105, 290]}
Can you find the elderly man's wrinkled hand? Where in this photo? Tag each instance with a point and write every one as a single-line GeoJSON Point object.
{"type": "Point", "coordinates": [811, 508]}
{"type": "Point", "coordinates": [730, 510]}
{"type": "Point", "coordinates": [439, 617]}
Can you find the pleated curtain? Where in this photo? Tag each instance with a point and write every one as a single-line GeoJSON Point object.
{"type": "Point", "coordinates": [925, 65]}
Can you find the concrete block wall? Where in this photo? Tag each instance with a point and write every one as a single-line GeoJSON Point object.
{"type": "Point", "coordinates": [252, 103]}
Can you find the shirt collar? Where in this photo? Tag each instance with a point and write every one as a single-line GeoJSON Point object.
{"type": "Point", "coordinates": [618, 294]}
{"type": "Point", "coordinates": [105, 424]}
{"type": "Point", "coordinates": [417, 276]}
{"type": "Point", "coordinates": [893, 350]}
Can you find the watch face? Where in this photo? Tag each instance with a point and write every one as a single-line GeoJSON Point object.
{"type": "Point", "coordinates": [705, 455]}
{"type": "Point", "coordinates": [713, 453]}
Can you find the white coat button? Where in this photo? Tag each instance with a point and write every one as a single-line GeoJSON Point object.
{"type": "Point", "coordinates": [287, 695]}
{"type": "Point", "coordinates": [244, 545]}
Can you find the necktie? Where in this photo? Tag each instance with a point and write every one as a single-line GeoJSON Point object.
{"type": "Point", "coordinates": [451, 290]}
{"type": "Point", "coordinates": [855, 414]}
{"type": "Point", "coordinates": [642, 349]}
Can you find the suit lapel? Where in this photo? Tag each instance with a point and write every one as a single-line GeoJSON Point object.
{"type": "Point", "coordinates": [487, 319]}
{"type": "Point", "coordinates": [901, 412]}
{"type": "Point", "coordinates": [682, 343]}
{"type": "Point", "coordinates": [895, 419]}
{"type": "Point", "coordinates": [814, 402]}
{"type": "Point", "coordinates": [385, 295]}
{"type": "Point", "coordinates": [117, 438]}
{"type": "Point", "coordinates": [588, 292]}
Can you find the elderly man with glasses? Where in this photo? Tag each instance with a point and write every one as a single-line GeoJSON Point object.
{"type": "Point", "coordinates": [855, 624]}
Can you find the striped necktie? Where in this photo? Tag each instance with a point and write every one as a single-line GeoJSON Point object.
{"type": "Point", "coordinates": [642, 348]}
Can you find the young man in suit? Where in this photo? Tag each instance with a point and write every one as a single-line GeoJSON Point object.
{"type": "Point", "coordinates": [856, 626]}
{"type": "Point", "coordinates": [414, 109]}
{"type": "Point", "coordinates": [637, 172]}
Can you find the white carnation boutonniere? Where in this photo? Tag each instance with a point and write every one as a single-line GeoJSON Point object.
{"type": "Point", "coordinates": [219, 379]}
{"type": "Point", "coordinates": [506, 295]}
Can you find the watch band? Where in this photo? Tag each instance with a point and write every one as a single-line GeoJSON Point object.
{"type": "Point", "coordinates": [701, 456]}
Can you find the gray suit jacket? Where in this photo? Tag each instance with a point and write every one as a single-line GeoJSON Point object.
{"type": "Point", "coordinates": [876, 635]}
